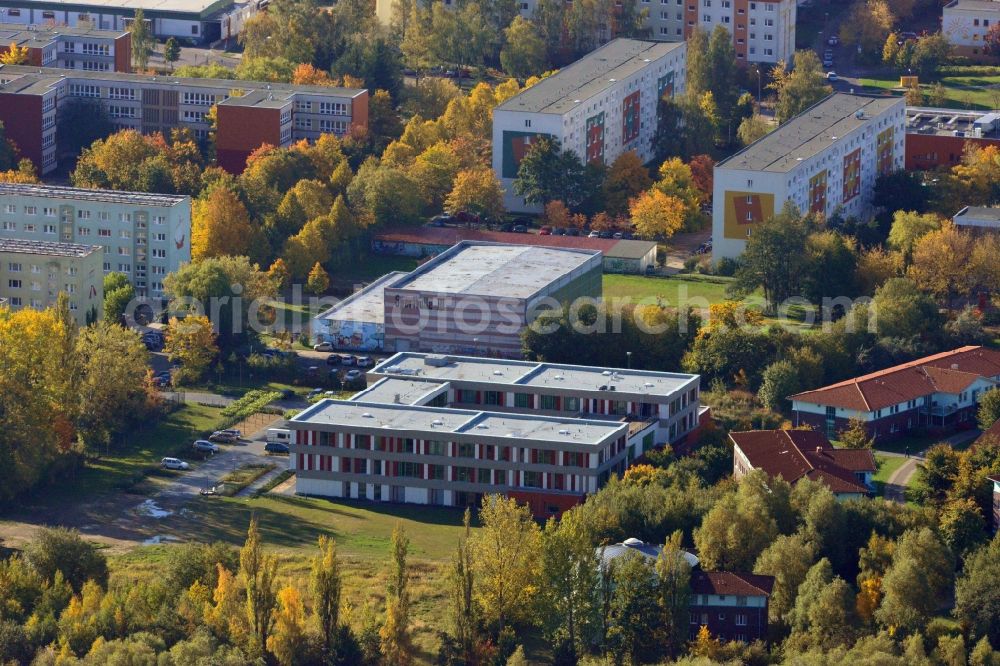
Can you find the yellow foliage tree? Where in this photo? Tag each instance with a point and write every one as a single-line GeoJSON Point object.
{"type": "Point", "coordinates": [14, 55]}
{"type": "Point", "coordinates": [941, 261]}
{"type": "Point", "coordinates": [25, 174]}
{"type": "Point", "coordinates": [192, 342]}
{"type": "Point", "coordinates": [288, 639]}
{"type": "Point", "coordinates": [868, 598]}
{"type": "Point", "coordinates": [220, 225]}
{"type": "Point", "coordinates": [318, 281]}
{"type": "Point", "coordinates": [476, 191]}
{"type": "Point", "coordinates": [705, 645]}
{"type": "Point", "coordinates": [657, 215]}
{"type": "Point", "coordinates": [307, 75]}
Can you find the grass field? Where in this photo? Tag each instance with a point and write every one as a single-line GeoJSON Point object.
{"type": "Point", "coordinates": [961, 92]}
{"type": "Point", "coordinates": [696, 290]}
{"type": "Point", "coordinates": [143, 447]}
{"type": "Point", "coordinates": [370, 267]}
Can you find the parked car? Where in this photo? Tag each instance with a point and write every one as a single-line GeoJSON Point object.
{"type": "Point", "coordinates": [572, 231]}
{"type": "Point", "coordinates": [347, 360]}
{"type": "Point", "coordinates": [276, 448]}
{"type": "Point", "coordinates": [594, 234]}
{"type": "Point", "coordinates": [323, 347]}
{"type": "Point", "coordinates": [315, 392]}
{"type": "Point", "coordinates": [520, 229]}
{"type": "Point", "coordinates": [832, 76]}
{"type": "Point", "coordinates": [604, 234]}
{"type": "Point", "coordinates": [333, 359]}
{"type": "Point", "coordinates": [364, 361]}
{"type": "Point", "coordinates": [650, 270]}
{"type": "Point", "coordinates": [833, 40]}
{"type": "Point", "coordinates": [441, 220]}
{"type": "Point", "coordinates": [558, 231]}
{"type": "Point", "coordinates": [828, 62]}
{"type": "Point", "coordinates": [203, 446]}
{"type": "Point", "coordinates": [223, 437]}
{"type": "Point", "coordinates": [174, 463]}
{"type": "Point", "coordinates": [287, 394]}
{"type": "Point", "coordinates": [507, 228]}
{"type": "Point", "coordinates": [234, 432]}
{"type": "Point", "coordinates": [545, 231]}
{"type": "Point", "coordinates": [618, 235]}
{"type": "Point", "coordinates": [162, 379]}
{"type": "Point", "coordinates": [352, 375]}
{"type": "Point", "coordinates": [211, 490]}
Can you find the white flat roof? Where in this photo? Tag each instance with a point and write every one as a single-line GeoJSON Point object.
{"type": "Point", "coordinates": [409, 391]}
{"type": "Point", "coordinates": [529, 373]}
{"type": "Point", "coordinates": [366, 305]}
{"type": "Point", "coordinates": [83, 194]}
{"type": "Point", "coordinates": [493, 269]}
{"type": "Point", "coordinates": [179, 6]}
{"type": "Point", "coordinates": [428, 422]}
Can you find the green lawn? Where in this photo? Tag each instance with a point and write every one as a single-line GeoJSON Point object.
{"type": "Point", "coordinates": [696, 290]}
{"type": "Point", "coordinates": [887, 466]}
{"type": "Point", "coordinates": [143, 448]}
{"type": "Point", "coordinates": [371, 267]}
{"type": "Point", "coordinates": [961, 92]}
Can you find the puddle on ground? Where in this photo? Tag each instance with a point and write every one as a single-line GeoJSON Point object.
{"type": "Point", "coordinates": [152, 509]}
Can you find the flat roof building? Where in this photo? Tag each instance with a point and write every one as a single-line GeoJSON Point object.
{"type": "Point", "coordinates": [939, 137]}
{"type": "Point", "coordinates": [82, 47]}
{"type": "Point", "coordinates": [33, 273]}
{"type": "Point", "coordinates": [249, 113]}
{"type": "Point", "coordinates": [200, 21]}
{"type": "Point", "coordinates": [145, 236]}
{"type": "Point", "coordinates": [601, 106]}
{"type": "Point", "coordinates": [449, 430]}
{"type": "Point", "coordinates": [357, 323]}
{"type": "Point", "coordinates": [620, 255]}
{"type": "Point", "coordinates": [978, 218]}
{"type": "Point", "coordinates": [825, 161]}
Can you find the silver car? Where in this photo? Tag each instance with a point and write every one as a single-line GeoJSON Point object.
{"type": "Point", "coordinates": [174, 463]}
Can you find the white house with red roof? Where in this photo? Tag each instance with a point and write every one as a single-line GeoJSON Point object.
{"type": "Point", "coordinates": [937, 393]}
{"type": "Point", "coordinates": [794, 455]}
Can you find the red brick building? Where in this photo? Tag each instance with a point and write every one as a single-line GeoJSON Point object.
{"type": "Point", "coordinates": [67, 47]}
{"type": "Point", "coordinates": [803, 454]}
{"type": "Point", "coordinates": [938, 393]}
{"type": "Point", "coordinates": [250, 113]}
{"type": "Point", "coordinates": [732, 605]}
{"type": "Point", "coordinates": [938, 137]}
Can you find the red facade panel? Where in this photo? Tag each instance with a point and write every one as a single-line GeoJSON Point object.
{"type": "Point", "coordinates": [242, 130]}
{"type": "Point", "coordinates": [22, 119]}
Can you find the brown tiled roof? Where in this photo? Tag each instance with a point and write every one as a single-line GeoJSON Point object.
{"type": "Point", "coordinates": [993, 433]}
{"type": "Point", "coordinates": [451, 235]}
{"type": "Point", "coordinates": [947, 372]}
{"type": "Point", "coordinates": [728, 582]}
{"type": "Point", "coordinates": [798, 454]}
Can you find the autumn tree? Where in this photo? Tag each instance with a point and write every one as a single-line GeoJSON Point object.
{"type": "Point", "coordinates": [800, 89]}
{"type": "Point", "coordinates": [396, 645]}
{"type": "Point", "coordinates": [220, 225]}
{"type": "Point", "coordinates": [855, 435]}
{"type": "Point", "coordinates": [921, 572]}
{"type": "Point", "coordinates": [326, 589]}
{"type": "Point", "coordinates": [823, 613]}
{"type": "Point", "coordinates": [568, 589]}
{"type": "Point", "coordinates": [977, 596]}
{"type": "Point", "coordinates": [941, 263]}
{"type": "Point", "coordinates": [278, 272]}
{"type": "Point", "coordinates": [118, 294]}
{"type": "Point", "coordinates": [191, 342]}
{"type": "Point", "coordinates": [989, 408]}
{"type": "Point", "coordinates": [523, 53]}
{"type": "Point", "coordinates": [656, 215]}
{"type": "Point", "coordinates": [14, 55]}
{"type": "Point", "coordinates": [633, 608]}
{"type": "Point", "coordinates": [737, 529]}
{"type": "Point", "coordinates": [908, 228]}
{"type": "Point", "coordinates": [673, 580]}
{"type": "Point", "coordinates": [626, 178]}
{"type": "Point", "coordinates": [476, 191]}
{"type": "Point", "coordinates": [306, 74]}
{"type": "Point", "coordinates": [788, 560]}
{"type": "Point", "coordinates": [318, 281]}
{"type": "Point", "coordinates": [507, 561]}
{"type": "Point", "coordinates": [752, 129]}
{"type": "Point", "coordinates": [287, 643]}
{"type": "Point", "coordinates": [258, 571]}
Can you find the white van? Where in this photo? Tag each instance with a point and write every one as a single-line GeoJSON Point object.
{"type": "Point", "coordinates": [279, 435]}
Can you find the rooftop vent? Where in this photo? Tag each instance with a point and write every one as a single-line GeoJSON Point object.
{"type": "Point", "coordinates": [860, 115]}
{"type": "Point", "coordinates": [559, 378]}
{"type": "Point", "coordinates": [564, 431]}
{"type": "Point", "coordinates": [437, 422]}
{"type": "Point", "coordinates": [367, 415]}
{"type": "Point", "coordinates": [482, 426]}
{"type": "Point", "coordinates": [632, 542]}
{"type": "Point", "coordinates": [606, 373]}
{"type": "Point", "coordinates": [498, 373]}
{"type": "Point", "coordinates": [648, 384]}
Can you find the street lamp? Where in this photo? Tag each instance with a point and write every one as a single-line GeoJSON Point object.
{"type": "Point", "coordinates": [758, 88]}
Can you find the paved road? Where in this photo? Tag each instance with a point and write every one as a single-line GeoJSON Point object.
{"type": "Point", "coordinates": [896, 484]}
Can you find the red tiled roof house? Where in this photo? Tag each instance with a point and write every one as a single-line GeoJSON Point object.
{"type": "Point", "coordinates": [732, 605]}
{"type": "Point", "coordinates": [803, 454]}
{"type": "Point", "coordinates": [938, 393]}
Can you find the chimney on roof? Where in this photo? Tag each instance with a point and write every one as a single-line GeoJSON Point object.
{"type": "Point", "coordinates": [396, 399]}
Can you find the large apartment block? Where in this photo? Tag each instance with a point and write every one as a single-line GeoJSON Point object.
{"type": "Point", "coordinates": [763, 30]}
{"type": "Point", "coordinates": [70, 48]}
{"type": "Point", "coordinates": [964, 23]}
{"type": "Point", "coordinates": [599, 107]}
{"type": "Point", "coordinates": [825, 161]}
{"type": "Point", "coordinates": [447, 431]}
{"type": "Point", "coordinates": [199, 21]}
{"type": "Point", "coordinates": [250, 113]}
{"type": "Point", "coordinates": [33, 273]}
{"type": "Point", "coordinates": [144, 236]}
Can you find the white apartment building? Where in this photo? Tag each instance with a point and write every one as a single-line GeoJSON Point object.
{"type": "Point", "coordinates": [34, 273]}
{"type": "Point", "coordinates": [825, 161]}
{"type": "Point", "coordinates": [599, 107]}
{"type": "Point", "coordinates": [144, 236]}
{"type": "Point", "coordinates": [964, 23]}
